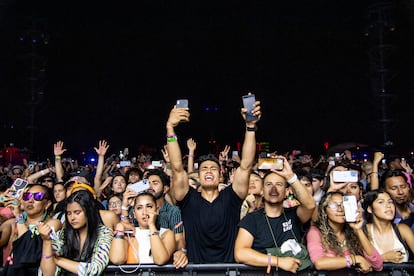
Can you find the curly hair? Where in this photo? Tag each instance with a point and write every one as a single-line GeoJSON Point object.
{"type": "Point", "coordinates": [329, 239]}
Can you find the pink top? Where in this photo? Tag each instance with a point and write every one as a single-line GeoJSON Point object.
{"type": "Point", "coordinates": [316, 250]}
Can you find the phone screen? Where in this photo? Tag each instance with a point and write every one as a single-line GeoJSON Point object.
{"type": "Point", "coordinates": [248, 103]}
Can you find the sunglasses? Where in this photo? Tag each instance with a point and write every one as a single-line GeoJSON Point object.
{"type": "Point", "coordinates": [47, 180]}
{"type": "Point", "coordinates": [38, 196]}
{"type": "Point", "coordinates": [115, 204]}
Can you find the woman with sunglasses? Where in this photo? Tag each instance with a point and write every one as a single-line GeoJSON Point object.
{"type": "Point", "coordinates": [22, 232]}
{"type": "Point", "coordinates": [393, 241]}
{"type": "Point", "coordinates": [82, 246]}
{"type": "Point", "coordinates": [336, 244]}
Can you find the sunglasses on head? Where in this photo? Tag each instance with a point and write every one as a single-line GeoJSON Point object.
{"type": "Point", "coordinates": [38, 196]}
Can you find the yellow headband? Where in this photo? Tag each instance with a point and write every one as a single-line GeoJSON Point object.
{"type": "Point", "coordinates": [82, 186]}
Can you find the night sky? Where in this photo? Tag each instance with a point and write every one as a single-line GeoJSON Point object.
{"type": "Point", "coordinates": [114, 70]}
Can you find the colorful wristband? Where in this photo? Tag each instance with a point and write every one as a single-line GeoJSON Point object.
{"type": "Point", "coordinates": [171, 139]}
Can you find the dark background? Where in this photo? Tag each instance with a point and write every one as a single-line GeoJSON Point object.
{"type": "Point", "coordinates": [113, 70]}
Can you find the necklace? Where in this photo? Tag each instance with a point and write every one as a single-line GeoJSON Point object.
{"type": "Point", "coordinates": [342, 244]}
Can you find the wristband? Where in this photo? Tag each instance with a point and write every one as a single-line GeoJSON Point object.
{"type": "Point", "coordinates": [125, 208]}
{"type": "Point", "coordinates": [46, 256]}
{"type": "Point", "coordinates": [348, 261]}
{"type": "Point", "coordinates": [293, 179]}
{"type": "Point", "coordinates": [42, 172]}
{"type": "Point", "coordinates": [124, 217]}
{"type": "Point", "coordinates": [119, 236]}
{"type": "Point", "coordinates": [116, 232]}
{"type": "Point", "coordinates": [171, 139]}
{"type": "Point", "coordinates": [155, 233]}
{"type": "Point", "coordinates": [251, 128]}
{"type": "Point", "coordinates": [269, 263]}
{"type": "Point", "coordinates": [183, 250]}
{"type": "Point", "coordinates": [57, 157]}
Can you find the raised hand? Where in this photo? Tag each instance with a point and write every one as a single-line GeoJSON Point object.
{"type": "Point", "coordinates": [102, 147]}
{"type": "Point", "coordinates": [58, 148]}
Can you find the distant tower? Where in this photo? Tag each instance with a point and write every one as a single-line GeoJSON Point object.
{"type": "Point", "coordinates": [379, 29]}
{"type": "Point", "coordinates": [32, 43]}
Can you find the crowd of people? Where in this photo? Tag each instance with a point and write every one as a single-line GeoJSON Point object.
{"type": "Point", "coordinates": [293, 214]}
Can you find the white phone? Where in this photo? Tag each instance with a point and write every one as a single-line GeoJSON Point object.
{"type": "Point", "coordinates": [350, 208]}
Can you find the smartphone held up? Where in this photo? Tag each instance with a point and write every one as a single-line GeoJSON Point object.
{"type": "Point", "coordinates": [248, 103]}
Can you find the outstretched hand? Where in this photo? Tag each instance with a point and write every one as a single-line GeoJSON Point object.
{"type": "Point", "coordinates": [58, 148]}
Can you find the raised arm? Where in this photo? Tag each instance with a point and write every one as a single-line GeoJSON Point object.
{"type": "Point", "coordinates": [374, 177]}
{"type": "Point", "coordinates": [241, 177]}
{"type": "Point", "coordinates": [180, 183]}
{"type": "Point", "coordinates": [58, 150]}
{"type": "Point", "coordinates": [101, 151]}
{"type": "Point", "coordinates": [191, 145]}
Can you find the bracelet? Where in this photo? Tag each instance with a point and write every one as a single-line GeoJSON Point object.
{"type": "Point", "coordinates": [119, 236]}
{"type": "Point", "coordinates": [171, 136]}
{"type": "Point", "coordinates": [293, 179]}
{"type": "Point", "coordinates": [124, 217]}
{"type": "Point", "coordinates": [184, 250]}
{"type": "Point", "coordinates": [171, 139]}
{"type": "Point", "coordinates": [155, 233]}
{"type": "Point", "coordinates": [190, 155]}
{"type": "Point", "coordinates": [251, 128]}
{"type": "Point", "coordinates": [42, 172]}
{"type": "Point", "coordinates": [57, 157]}
{"type": "Point", "coordinates": [348, 261]}
{"type": "Point", "coordinates": [46, 256]}
{"type": "Point", "coordinates": [125, 208]}
{"type": "Point", "coordinates": [269, 263]}
{"type": "Point", "coordinates": [118, 232]}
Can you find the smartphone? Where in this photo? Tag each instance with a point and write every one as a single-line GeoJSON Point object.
{"type": "Point", "coordinates": [248, 103]}
{"type": "Point", "coordinates": [17, 187]}
{"type": "Point", "coordinates": [350, 208]}
{"type": "Point", "coordinates": [125, 163]}
{"type": "Point", "coordinates": [181, 103]}
{"type": "Point", "coordinates": [270, 163]}
{"type": "Point", "coordinates": [345, 176]}
{"type": "Point", "coordinates": [157, 163]}
{"type": "Point", "coordinates": [278, 165]}
{"type": "Point", "coordinates": [139, 186]}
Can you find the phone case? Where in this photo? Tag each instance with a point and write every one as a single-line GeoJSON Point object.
{"type": "Point", "coordinates": [182, 103]}
{"type": "Point", "coordinates": [248, 103]}
{"type": "Point", "coordinates": [350, 208]}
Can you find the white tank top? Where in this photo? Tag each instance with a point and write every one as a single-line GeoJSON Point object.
{"type": "Point", "coordinates": [398, 246]}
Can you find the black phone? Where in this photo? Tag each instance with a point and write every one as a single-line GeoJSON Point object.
{"type": "Point", "coordinates": [248, 103]}
{"type": "Point", "coordinates": [181, 103]}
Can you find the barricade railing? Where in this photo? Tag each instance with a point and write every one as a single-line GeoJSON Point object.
{"type": "Point", "coordinates": [234, 269]}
